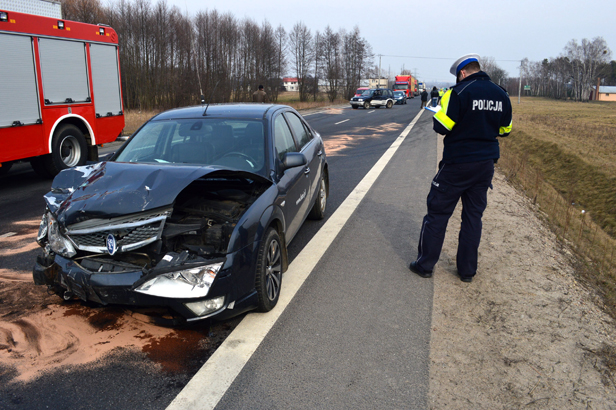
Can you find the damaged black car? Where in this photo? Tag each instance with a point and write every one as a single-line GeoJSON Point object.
{"type": "Point", "coordinates": [193, 213]}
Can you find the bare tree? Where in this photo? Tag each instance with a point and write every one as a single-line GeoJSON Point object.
{"type": "Point", "coordinates": [357, 57]}
{"type": "Point", "coordinates": [585, 59]}
{"type": "Point", "coordinates": [332, 69]}
{"type": "Point", "coordinates": [300, 41]}
{"type": "Point", "coordinates": [497, 74]}
{"type": "Point", "coordinates": [85, 11]}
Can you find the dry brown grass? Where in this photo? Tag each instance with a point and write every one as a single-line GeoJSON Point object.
{"type": "Point", "coordinates": [563, 154]}
{"type": "Point", "coordinates": [134, 118]}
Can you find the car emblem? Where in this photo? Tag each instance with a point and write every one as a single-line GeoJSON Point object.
{"type": "Point", "coordinates": [112, 245]}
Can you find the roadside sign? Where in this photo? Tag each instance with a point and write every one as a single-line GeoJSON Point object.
{"type": "Point", "coordinates": [527, 87]}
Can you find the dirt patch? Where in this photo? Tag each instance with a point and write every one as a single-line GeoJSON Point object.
{"type": "Point", "coordinates": [335, 144]}
{"type": "Point", "coordinates": [525, 333]}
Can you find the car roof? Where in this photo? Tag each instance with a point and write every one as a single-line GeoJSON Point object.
{"type": "Point", "coordinates": [256, 111]}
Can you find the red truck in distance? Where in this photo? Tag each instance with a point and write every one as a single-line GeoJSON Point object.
{"type": "Point", "coordinates": [61, 94]}
{"type": "Point", "coordinates": [405, 83]}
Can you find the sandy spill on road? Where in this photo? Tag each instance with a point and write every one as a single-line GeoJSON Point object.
{"type": "Point", "coordinates": [335, 144]}
{"type": "Point", "coordinates": [75, 334]}
{"type": "Point", "coordinates": [40, 332]}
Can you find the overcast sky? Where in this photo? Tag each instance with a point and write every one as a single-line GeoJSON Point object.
{"type": "Point", "coordinates": [426, 36]}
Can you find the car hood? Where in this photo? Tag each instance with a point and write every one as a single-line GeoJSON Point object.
{"type": "Point", "coordinates": [110, 189]}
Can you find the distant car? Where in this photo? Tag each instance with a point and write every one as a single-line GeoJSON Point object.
{"type": "Point", "coordinates": [400, 97]}
{"type": "Point", "coordinates": [193, 213]}
{"type": "Point", "coordinates": [374, 97]}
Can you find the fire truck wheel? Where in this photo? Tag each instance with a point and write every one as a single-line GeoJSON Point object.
{"type": "Point", "coordinates": [69, 149]}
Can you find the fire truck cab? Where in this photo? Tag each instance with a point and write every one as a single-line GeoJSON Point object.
{"type": "Point", "coordinates": [61, 94]}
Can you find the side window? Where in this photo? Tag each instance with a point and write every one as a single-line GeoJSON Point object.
{"type": "Point", "coordinates": [283, 139]}
{"type": "Point", "coordinates": [299, 128]}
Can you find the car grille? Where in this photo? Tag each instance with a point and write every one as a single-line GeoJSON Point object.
{"type": "Point", "coordinates": [129, 232]}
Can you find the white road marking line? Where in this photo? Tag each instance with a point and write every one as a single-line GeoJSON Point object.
{"type": "Point", "coordinates": [342, 121]}
{"type": "Point", "coordinates": [211, 382]}
{"type": "Point", "coordinates": [8, 234]}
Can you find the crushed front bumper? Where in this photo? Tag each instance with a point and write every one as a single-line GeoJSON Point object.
{"type": "Point", "coordinates": [69, 279]}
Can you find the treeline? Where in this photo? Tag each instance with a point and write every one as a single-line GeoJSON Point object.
{"type": "Point", "coordinates": [573, 73]}
{"type": "Point", "coordinates": [169, 59]}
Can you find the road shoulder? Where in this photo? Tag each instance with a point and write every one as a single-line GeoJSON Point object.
{"type": "Point", "coordinates": [525, 333]}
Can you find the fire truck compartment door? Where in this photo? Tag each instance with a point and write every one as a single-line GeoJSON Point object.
{"type": "Point", "coordinates": [105, 79]}
{"type": "Point", "coordinates": [63, 65]}
{"type": "Point", "coordinates": [19, 97]}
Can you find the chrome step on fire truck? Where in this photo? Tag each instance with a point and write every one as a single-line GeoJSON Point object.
{"type": "Point", "coordinates": [61, 95]}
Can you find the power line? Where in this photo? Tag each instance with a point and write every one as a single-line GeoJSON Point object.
{"type": "Point", "coordinates": [437, 58]}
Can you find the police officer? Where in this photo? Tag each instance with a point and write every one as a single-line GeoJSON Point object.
{"type": "Point", "coordinates": [473, 114]}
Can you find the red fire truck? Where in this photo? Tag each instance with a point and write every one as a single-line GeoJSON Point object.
{"type": "Point", "coordinates": [405, 83]}
{"type": "Point", "coordinates": [61, 95]}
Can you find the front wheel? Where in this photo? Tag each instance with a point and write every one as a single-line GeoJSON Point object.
{"type": "Point", "coordinates": [354, 107]}
{"type": "Point", "coordinates": [268, 278]}
{"type": "Point", "coordinates": [366, 105]}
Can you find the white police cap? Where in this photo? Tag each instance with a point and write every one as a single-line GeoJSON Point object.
{"type": "Point", "coordinates": [462, 62]}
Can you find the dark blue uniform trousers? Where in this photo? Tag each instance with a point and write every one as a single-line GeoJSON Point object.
{"type": "Point", "coordinates": [469, 181]}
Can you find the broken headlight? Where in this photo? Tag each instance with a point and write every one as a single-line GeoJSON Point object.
{"type": "Point", "coordinates": [187, 283]}
{"type": "Point", "coordinates": [58, 243]}
{"type": "Point", "coordinates": [42, 233]}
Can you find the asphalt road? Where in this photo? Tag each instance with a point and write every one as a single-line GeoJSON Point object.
{"type": "Point", "coordinates": [355, 336]}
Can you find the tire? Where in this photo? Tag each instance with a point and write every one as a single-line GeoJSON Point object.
{"type": "Point", "coordinates": [366, 105]}
{"type": "Point", "coordinates": [389, 104]}
{"type": "Point", "coordinates": [68, 149]}
{"type": "Point", "coordinates": [268, 278]}
{"type": "Point", "coordinates": [320, 202]}
{"type": "Point", "coordinates": [354, 107]}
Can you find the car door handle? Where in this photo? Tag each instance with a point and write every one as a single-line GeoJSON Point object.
{"type": "Point", "coordinates": [307, 171]}
{"type": "Point", "coordinates": [320, 153]}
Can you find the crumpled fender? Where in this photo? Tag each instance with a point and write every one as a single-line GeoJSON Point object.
{"type": "Point", "coordinates": [111, 189]}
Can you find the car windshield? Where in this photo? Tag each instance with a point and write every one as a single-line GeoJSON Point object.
{"type": "Point", "coordinates": [398, 93]}
{"type": "Point", "coordinates": [236, 143]}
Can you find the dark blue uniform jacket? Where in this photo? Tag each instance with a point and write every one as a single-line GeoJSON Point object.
{"type": "Point", "coordinates": [473, 113]}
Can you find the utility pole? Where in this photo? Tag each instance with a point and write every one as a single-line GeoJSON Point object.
{"type": "Point", "coordinates": [379, 79]}
{"type": "Point", "coordinates": [520, 85]}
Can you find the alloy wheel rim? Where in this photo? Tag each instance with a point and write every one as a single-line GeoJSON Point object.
{"type": "Point", "coordinates": [69, 151]}
{"type": "Point", "coordinates": [323, 195]}
{"type": "Point", "coordinates": [273, 271]}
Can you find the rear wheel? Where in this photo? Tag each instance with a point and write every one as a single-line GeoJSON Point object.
{"type": "Point", "coordinates": [268, 278]}
{"type": "Point", "coordinates": [320, 202]}
{"type": "Point", "coordinates": [68, 149]}
{"type": "Point", "coordinates": [390, 104]}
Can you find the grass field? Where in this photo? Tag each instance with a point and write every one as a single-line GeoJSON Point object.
{"type": "Point", "coordinates": [563, 155]}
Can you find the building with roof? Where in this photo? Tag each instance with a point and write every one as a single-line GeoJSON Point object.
{"type": "Point", "coordinates": [290, 83]}
{"type": "Point", "coordinates": [606, 93]}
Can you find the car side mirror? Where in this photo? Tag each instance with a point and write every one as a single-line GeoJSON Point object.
{"type": "Point", "coordinates": [293, 159]}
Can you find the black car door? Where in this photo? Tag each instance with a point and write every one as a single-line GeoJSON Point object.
{"type": "Point", "coordinates": [293, 186]}
{"type": "Point", "coordinates": [313, 152]}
